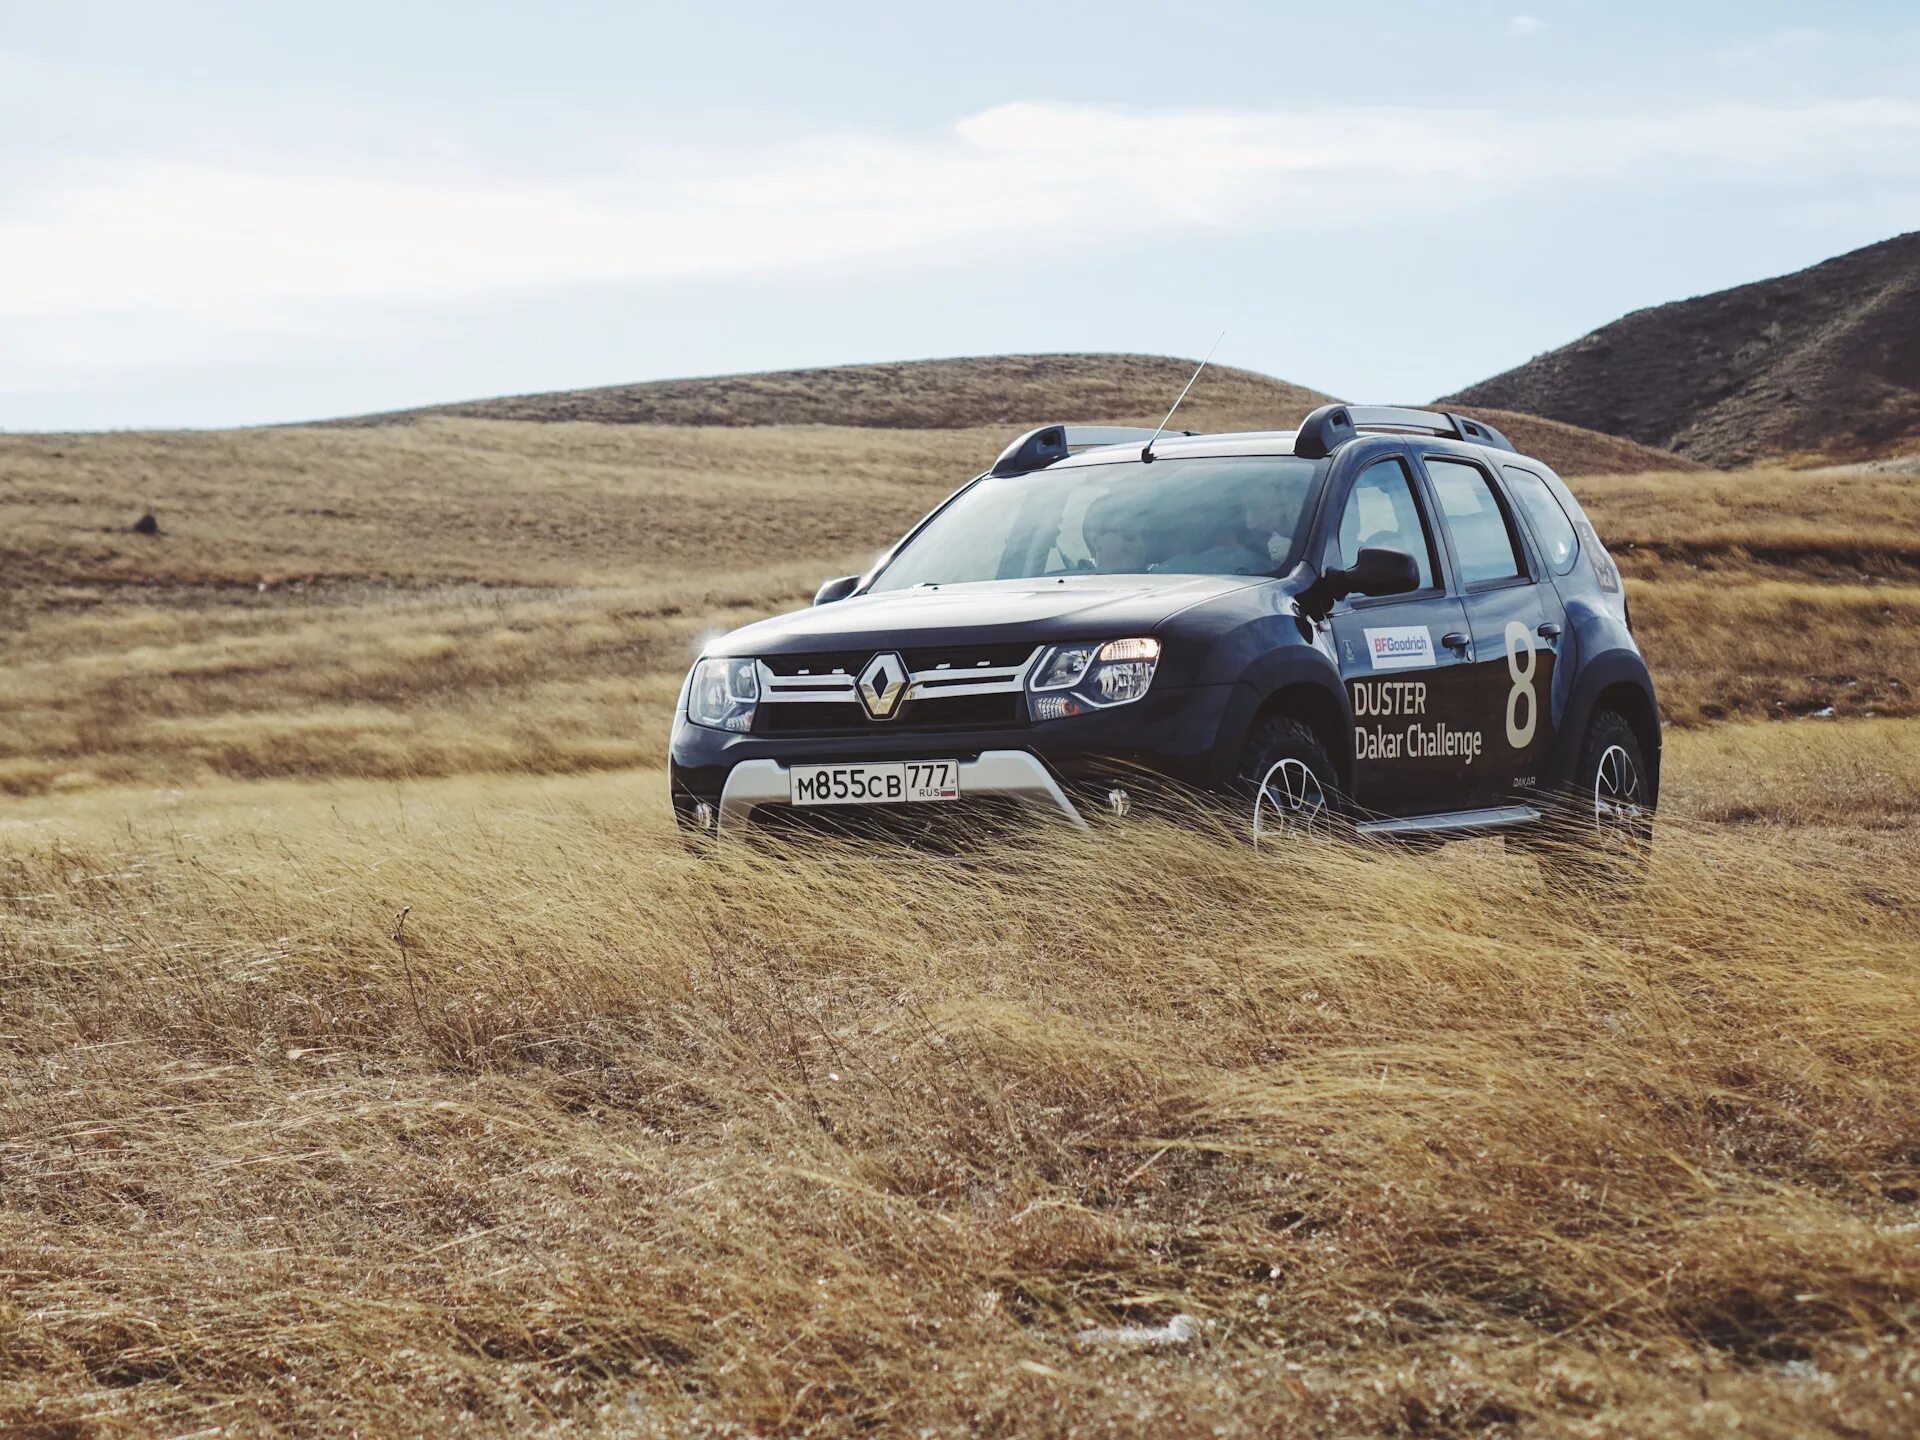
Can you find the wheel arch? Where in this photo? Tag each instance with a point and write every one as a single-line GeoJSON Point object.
{"type": "Point", "coordinates": [1618, 681]}
{"type": "Point", "coordinates": [1635, 705]}
{"type": "Point", "coordinates": [1299, 682]}
{"type": "Point", "coordinates": [1312, 705]}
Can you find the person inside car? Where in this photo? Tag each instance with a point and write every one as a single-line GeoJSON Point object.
{"type": "Point", "coordinates": [1116, 536]}
{"type": "Point", "coordinates": [1215, 545]}
{"type": "Point", "coordinates": [1271, 512]}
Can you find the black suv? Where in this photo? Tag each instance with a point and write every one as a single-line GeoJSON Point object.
{"type": "Point", "coordinates": [1386, 617]}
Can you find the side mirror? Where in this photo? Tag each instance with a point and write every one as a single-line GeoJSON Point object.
{"type": "Point", "coordinates": [1376, 571]}
{"type": "Point", "coordinates": [839, 589]}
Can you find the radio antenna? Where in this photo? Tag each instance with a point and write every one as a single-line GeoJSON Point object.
{"type": "Point", "coordinates": [1146, 451]}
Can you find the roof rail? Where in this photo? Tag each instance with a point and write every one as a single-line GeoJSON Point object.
{"type": "Point", "coordinates": [1333, 425]}
{"type": "Point", "coordinates": [1040, 447]}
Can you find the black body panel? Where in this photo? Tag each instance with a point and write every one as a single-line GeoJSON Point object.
{"type": "Point", "coordinates": [1013, 613]}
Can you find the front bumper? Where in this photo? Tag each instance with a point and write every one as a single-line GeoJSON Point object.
{"type": "Point", "coordinates": [1185, 735]}
{"type": "Point", "coordinates": [1003, 774]}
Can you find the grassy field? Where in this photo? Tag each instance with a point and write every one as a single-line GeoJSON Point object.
{"type": "Point", "coordinates": [601, 1139]}
{"type": "Point", "coordinates": [375, 1061]}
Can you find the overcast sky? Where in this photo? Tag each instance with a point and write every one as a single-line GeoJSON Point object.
{"type": "Point", "coordinates": [232, 213]}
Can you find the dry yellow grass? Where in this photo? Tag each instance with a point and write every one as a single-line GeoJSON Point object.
{"type": "Point", "coordinates": [443, 681]}
{"type": "Point", "coordinates": [1723, 647]}
{"type": "Point", "coordinates": [1859, 779]}
{"type": "Point", "coordinates": [615, 1141]}
{"type": "Point", "coordinates": [430, 599]}
{"type": "Point", "coordinates": [1772, 591]}
{"type": "Point", "coordinates": [483, 502]}
{"type": "Point", "coordinates": [1853, 522]}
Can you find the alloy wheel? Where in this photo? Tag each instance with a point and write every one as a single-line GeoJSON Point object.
{"type": "Point", "coordinates": [1618, 812]}
{"type": "Point", "coordinates": [1289, 801]}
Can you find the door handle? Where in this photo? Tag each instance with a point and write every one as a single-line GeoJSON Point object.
{"type": "Point", "coordinates": [1549, 631]}
{"type": "Point", "coordinates": [1456, 640]}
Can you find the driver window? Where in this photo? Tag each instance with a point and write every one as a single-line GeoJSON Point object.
{"type": "Point", "coordinates": [1381, 511]}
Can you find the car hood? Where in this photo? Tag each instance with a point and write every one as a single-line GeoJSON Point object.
{"type": "Point", "coordinates": [1075, 607]}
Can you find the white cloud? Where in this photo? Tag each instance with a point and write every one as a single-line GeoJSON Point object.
{"type": "Point", "coordinates": [254, 249]}
{"type": "Point", "coordinates": [197, 234]}
{"type": "Point", "coordinates": [1526, 25]}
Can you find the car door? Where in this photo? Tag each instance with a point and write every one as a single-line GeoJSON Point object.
{"type": "Point", "coordinates": [1516, 621]}
{"type": "Point", "coordinates": [1403, 658]}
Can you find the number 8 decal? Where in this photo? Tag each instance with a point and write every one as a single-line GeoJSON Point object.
{"type": "Point", "coordinates": [1519, 640]}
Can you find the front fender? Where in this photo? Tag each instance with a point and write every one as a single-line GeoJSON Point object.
{"type": "Point", "coordinates": [1317, 695]}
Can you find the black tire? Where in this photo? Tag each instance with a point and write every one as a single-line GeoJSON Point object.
{"type": "Point", "coordinates": [1286, 783]}
{"type": "Point", "coordinates": [1605, 828]}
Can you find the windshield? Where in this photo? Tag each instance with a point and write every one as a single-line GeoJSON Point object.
{"type": "Point", "coordinates": [1208, 515]}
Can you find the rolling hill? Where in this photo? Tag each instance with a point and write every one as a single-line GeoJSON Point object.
{"type": "Point", "coordinates": [1825, 361]}
{"type": "Point", "coordinates": [1574, 451]}
{"type": "Point", "coordinates": [1009, 392]}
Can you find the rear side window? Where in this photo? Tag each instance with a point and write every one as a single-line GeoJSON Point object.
{"type": "Point", "coordinates": [1381, 511]}
{"type": "Point", "coordinates": [1551, 527]}
{"type": "Point", "coordinates": [1483, 539]}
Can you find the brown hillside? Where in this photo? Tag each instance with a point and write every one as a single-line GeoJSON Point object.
{"type": "Point", "coordinates": [1010, 391]}
{"type": "Point", "coordinates": [1824, 361]}
{"type": "Point", "coordinates": [1574, 451]}
{"type": "Point", "coordinates": [1007, 392]}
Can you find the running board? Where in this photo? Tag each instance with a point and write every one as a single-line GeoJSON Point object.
{"type": "Point", "coordinates": [1453, 822]}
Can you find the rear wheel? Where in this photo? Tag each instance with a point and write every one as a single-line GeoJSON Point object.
{"type": "Point", "coordinates": [1286, 783]}
{"type": "Point", "coordinates": [1607, 827]}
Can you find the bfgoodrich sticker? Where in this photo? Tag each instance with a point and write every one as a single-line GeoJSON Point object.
{"type": "Point", "coordinates": [1399, 647]}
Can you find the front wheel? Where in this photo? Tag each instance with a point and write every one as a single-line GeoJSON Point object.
{"type": "Point", "coordinates": [1287, 783]}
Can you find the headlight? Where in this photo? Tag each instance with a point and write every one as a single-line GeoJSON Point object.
{"type": "Point", "coordinates": [721, 694]}
{"type": "Point", "coordinates": [1073, 679]}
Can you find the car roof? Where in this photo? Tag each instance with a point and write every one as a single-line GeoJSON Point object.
{"type": "Point", "coordinates": [1257, 442]}
{"type": "Point", "coordinates": [1321, 434]}
{"type": "Point", "coordinates": [1167, 447]}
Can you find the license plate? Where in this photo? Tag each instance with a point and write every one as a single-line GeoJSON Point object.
{"type": "Point", "coordinates": [898, 783]}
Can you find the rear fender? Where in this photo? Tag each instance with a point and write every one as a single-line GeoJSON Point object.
{"type": "Point", "coordinates": [1600, 670]}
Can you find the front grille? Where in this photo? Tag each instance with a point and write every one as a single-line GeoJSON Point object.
{"type": "Point", "coordinates": [957, 658]}
{"type": "Point", "coordinates": [952, 687]}
{"type": "Point", "coordinates": [845, 661]}
{"type": "Point", "coordinates": [958, 712]}
{"type": "Point", "coordinates": [961, 658]}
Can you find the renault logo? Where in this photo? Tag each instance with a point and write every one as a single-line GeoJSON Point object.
{"type": "Point", "coordinates": [882, 684]}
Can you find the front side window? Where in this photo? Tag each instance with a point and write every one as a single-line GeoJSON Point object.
{"type": "Point", "coordinates": [1483, 541]}
{"type": "Point", "coordinates": [1205, 515]}
{"type": "Point", "coordinates": [1551, 527]}
{"type": "Point", "coordinates": [1381, 512]}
